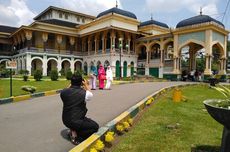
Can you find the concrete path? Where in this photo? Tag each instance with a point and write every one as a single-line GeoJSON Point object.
{"type": "Point", "coordinates": [36, 125]}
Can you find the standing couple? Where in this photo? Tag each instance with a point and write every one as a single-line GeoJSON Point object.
{"type": "Point", "coordinates": [102, 76]}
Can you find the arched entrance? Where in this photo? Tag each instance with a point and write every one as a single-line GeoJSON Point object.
{"type": "Point", "coordinates": [91, 65]}
{"type": "Point", "coordinates": [218, 65]}
{"type": "Point", "coordinates": [77, 66]}
{"type": "Point", "coordinates": [155, 53]}
{"type": "Point", "coordinates": [65, 66]}
{"type": "Point", "coordinates": [51, 65]}
{"type": "Point", "coordinates": [117, 69]}
{"type": "Point", "coordinates": [36, 64]}
{"type": "Point", "coordinates": [191, 61]}
{"type": "Point", "coordinates": [125, 69]}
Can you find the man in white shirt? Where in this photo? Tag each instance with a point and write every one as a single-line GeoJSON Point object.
{"type": "Point", "coordinates": [74, 110]}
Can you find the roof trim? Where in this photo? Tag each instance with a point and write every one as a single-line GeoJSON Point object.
{"type": "Point", "coordinates": [117, 11]}
{"type": "Point", "coordinates": [62, 9]}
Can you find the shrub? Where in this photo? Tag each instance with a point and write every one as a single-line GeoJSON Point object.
{"type": "Point", "coordinates": [62, 72]}
{"type": "Point", "coordinates": [54, 75]}
{"type": "Point", "coordinates": [37, 75]}
{"type": "Point", "coordinates": [69, 74]}
{"type": "Point", "coordinates": [5, 73]}
{"type": "Point", "coordinates": [79, 72]}
{"type": "Point", "coordinates": [25, 77]}
{"type": "Point", "coordinates": [30, 89]}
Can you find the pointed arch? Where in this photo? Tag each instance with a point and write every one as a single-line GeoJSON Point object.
{"type": "Point", "coordinates": [189, 42]}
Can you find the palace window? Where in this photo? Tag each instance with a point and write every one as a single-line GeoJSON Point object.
{"type": "Point", "coordinates": [66, 16]}
{"type": "Point", "coordinates": [78, 19]}
{"type": "Point", "coordinates": [60, 15]}
{"type": "Point", "coordinates": [83, 20]}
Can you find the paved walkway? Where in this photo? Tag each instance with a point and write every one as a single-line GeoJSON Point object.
{"type": "Point", "coordinates": [36, 125]}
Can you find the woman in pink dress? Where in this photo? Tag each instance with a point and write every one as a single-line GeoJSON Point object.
{"type": "Point", "coordinates": [101, 77]}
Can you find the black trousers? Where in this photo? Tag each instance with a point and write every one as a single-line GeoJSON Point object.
{"type": "Point", "coordinates": [85, 127]}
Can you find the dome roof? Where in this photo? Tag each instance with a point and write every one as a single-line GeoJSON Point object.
{"type": "Point", "coordinates": [198, 20]}
{"type": "Point", "coordinates": [117, 11]}
{"type": "Point", "coordinates": [150, 22]}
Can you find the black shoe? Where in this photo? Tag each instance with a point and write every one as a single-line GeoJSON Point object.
{"type": "Point", "coordinates": [73, 139]}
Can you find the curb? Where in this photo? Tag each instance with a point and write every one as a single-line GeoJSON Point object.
{"type": "Point", "coordinates": [28, 96]}
{"type": "Point", "coordinates": [110, 126]}
{"type": "Point", "coordinates": [48, 93]}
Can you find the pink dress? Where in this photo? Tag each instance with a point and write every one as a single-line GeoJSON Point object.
{"type": "Point", "coordinates": [101, 72]}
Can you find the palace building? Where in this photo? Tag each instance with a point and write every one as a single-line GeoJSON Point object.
{"type": "Point", "coordinates": [63, 39]}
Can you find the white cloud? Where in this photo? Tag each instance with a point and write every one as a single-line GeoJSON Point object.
{"type": "Point", "coordinates": [209, 7]}
{"type": "Point", "coordinates": [92, 7]}
{"type": "Point", "coordinates": [16, 13]}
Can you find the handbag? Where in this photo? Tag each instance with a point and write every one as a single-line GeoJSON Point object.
{"type": "Point", "coordinates": [103, 77]}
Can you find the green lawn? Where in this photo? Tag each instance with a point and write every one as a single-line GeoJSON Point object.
{"type": "Point", "coordinates": [40, 85]}
{"type": "Point", "coordinates": [196, 127]}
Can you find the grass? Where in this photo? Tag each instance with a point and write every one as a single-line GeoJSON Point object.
{"type": "Point", "coordinates": [40, 85]}
{"type": "Point", "coordinates": [194, 126]}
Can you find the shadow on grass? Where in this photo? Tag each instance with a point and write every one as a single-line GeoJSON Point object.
{"type": "Point", "coordinates": [205, 148]}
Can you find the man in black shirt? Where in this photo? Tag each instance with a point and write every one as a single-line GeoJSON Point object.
{"type": "Point", "coordinates": [74, 110]}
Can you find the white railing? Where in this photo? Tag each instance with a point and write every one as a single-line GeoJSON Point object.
{"type": "Point", "coordinates": [68, 52]}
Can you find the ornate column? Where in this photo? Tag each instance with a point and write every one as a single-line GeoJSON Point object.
{"type": "Point", "coordinates": [175, 55]}
{"type": "Point", "coordinates": [59, 65]}
{"type": "Point", "coordinates": [103, 44]}
{"type": "Point", "coordinates": [19, 40]}
{"type": "Point", "coordinates": [95, 43]}
{"type": "Point", "coordinates": [28, 38]}
{"type": "Point", "coordinates": [72, 64]}
{"type": "Point", "coordinates": [89, 48]}
{"type": "Point", "coordinates": [112, 41]}
{"type": "Point", "coordinates": [208, 52]}
{"type": "Point", "coordinates": [147, 62]}
{"type": "Point", "coordinates": [222, 70]}
{"type": "Point", "coordinates": [207, 70]}
{"type": "Point", "coordinates": [162, 54]}
{"type": "Point", "coordinates": [59, 41]}
{"type": "Point", "coordinates": [23, 39]}
{"type": "Point", "coordinates": [44, 38]}
{"type": "Point", "coordinates": [28, 62]}
{"type": "Point", "coordinates": [72, 42]}
{"type": "Point", "coordinates": [44, 65]}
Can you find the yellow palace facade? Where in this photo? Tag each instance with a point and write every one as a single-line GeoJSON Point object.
{"type": "Point", "coordinates": [62, 39]}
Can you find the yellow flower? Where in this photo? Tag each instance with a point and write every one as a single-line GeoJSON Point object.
{"type": "Point", "coordinates": [119, 128]}
{"type": "Point", "coordinates": [130, 121]}
{"type": "Point", "coordinates": [92, 150]}
{"type": "Point", "coordinates": [148, 102]}
{"type": "Point", "coordinates": [99, 145]}
{"type": "Point", "coordinates": [109, 137]}
{"type": "Point", "coordinates": [126, 125]}
{"type": "Point", "coordinates": [152, 99]}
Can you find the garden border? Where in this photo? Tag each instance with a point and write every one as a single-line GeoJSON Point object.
{"type": "Point", "coordinates": [130, 113]}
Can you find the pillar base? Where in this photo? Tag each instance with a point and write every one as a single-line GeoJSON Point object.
{"type": "Point", "coordinates": [207, 72]}
{"type": "Point", "coordinates": [222, 72]}
{"type": "Point", "coordinates": [146, 70]}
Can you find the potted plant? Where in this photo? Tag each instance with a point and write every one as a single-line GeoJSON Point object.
{"type": "Point", "coordinates": [219, 109]}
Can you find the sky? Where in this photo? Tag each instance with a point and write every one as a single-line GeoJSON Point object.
{"type": "Point", "coordinates": [21, 12]}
